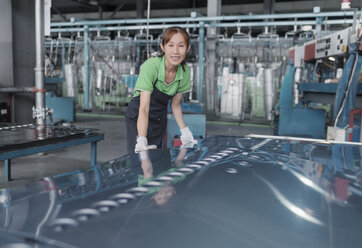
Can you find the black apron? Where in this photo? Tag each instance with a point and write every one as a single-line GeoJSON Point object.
{"type": "Point", "coordinates": [157, 119]}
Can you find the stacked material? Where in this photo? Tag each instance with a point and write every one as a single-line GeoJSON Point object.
{"type": "Point", "coordinates": [268, 93]}
{"type": "Point", "coordinates": [260, 64]}
{"type": "Point", "coordinates": [257, 95]}
{"type": "Point", "coordinates": [71, 80]}
{"type": "Point", "coordinates": [194, 75]}
{"type": "Point", "coordinates": [92, 78]}
{"type": "Point", "coordinates": [232, 93]}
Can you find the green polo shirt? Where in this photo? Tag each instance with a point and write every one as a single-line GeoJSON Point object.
{"type": "Point", "coordinates": [154, 69]}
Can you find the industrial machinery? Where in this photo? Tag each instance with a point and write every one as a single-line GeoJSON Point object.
{"type": "Point", "coordinates": [114, 65]}
{"type": "Point", "coordinates": [228, 78]}
{"type": "Point", "coordinates": [113, 68]}
{"type": "Point", "coordinates": [323, 71]}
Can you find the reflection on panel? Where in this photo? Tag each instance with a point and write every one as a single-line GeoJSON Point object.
{"type": "Point", "coordinates": [226, 188]}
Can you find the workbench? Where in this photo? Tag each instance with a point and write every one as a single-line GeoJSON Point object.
{"type": "Point", "coordinates": [22, 140]}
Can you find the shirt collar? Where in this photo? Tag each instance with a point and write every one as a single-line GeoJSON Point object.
{"type": "Point", "coordinates": [162, 71]}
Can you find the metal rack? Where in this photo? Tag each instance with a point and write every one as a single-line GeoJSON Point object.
{"type": "Point", "coordinates": [295, 20]}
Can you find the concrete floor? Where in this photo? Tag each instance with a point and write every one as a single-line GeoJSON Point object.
{"type": "Point", "coordinates": [35, 167]}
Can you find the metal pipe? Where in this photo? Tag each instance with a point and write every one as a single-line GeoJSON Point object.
{"type": "Point", "coordinates": [278, 23]}
{"type": "Point", "coordinates": [207, 25]}
{"type": "Point", "coordinates": [205, 19]}
{"type": "Point", "coordinates": [116, 28]}
{"type": "Point", "coordinates": [321, 141]}
{"type": "Point", "coordinates": [40, 112]}
{"type": "Point", "coordinates": [86, 68]}
{"type": "Point", "coordinates": [201, 63]}
{"type": "Point", "coordinates": [18, 90]}
{"type": "Point", "coordinates": [268, 93]}
{"type": "Point", "coordinates": [147, 29]}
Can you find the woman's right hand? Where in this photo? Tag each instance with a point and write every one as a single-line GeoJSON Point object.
{"type": "Point", "coordinates": [142, 144]}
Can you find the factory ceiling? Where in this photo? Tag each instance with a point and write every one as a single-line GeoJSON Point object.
{"type": "Point", "coordinates": [113, 9]}
{"type": "Point", "coordinates": [74, 6]}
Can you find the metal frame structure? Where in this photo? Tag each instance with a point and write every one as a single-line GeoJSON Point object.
{"type": "Point", "coordinates": [199, 22]}
{"type": "Point", "coordinates": [52, 145]}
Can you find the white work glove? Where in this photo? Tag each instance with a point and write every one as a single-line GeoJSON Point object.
{"type": "Point", "coordinates": [142, 145]}
{"type": "Point", "coordinates": [188, 145]}
{"type": "Point", "coordinates": [186, 137]}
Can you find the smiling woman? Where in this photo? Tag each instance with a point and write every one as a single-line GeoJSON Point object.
{"type": "Point", "coordinates": [161, 79]}
{"type": "Point", "coordinates": [175, 45]}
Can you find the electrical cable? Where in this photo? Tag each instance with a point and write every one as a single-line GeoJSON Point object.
{"type": "Point", "coordinates": [347, 90]}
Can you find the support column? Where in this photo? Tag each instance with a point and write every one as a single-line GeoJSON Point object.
{"type": "Point", "coordinates": [140, 9]}
{"type": "Point", "coordinates": [39, 112]}
{"type": "Point", "coordinates": [269, 6]}
{"type": "Point", "coordinates": [100, 12]}
{"type": "Point", "coordinates": [269, 9]}
{"type": "Point", "coordinates": [319, 22]}
{"type": "Point", "coordinates": [213, 9]}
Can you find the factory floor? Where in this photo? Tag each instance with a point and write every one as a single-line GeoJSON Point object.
{"type": "Point", "coordinates": [35, 167]}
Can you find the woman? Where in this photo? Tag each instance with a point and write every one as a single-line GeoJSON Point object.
{"type": "Point", "coordinates": [161, 79]}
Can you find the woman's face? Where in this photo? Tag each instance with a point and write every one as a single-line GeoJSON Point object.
{"type": "Point", "coordinates": [175, 50]}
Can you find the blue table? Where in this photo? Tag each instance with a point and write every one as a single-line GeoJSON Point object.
{"type": "Point", "coordinates": [21, 144]}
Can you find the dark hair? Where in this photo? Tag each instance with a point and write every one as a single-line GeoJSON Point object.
{"type": "Point", "coordinates": [169, 32]}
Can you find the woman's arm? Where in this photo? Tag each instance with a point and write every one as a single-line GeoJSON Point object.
{"type": "Point", "coordinates": [142, 121]}
{"type": "Point", "coordinates": [186, 136]}
{"type": "Point", "coordinates": [177, 111]}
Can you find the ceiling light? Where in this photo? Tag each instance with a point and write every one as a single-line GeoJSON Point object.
{"type": "Point", "coordinates": [93, 2]}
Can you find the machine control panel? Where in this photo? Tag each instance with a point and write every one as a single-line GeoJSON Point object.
{"type": "Point", "coordinates": [333, 44]}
